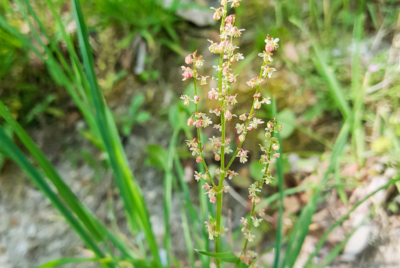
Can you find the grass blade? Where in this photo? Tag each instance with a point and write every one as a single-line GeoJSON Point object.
{"type": "Point", "coordinates": [344, 217]}
{"type": "Point", "coordinates": [53, 175]}
{"type": "Point", "coordinates": [64, 261]}
{"type": "Point", "coordinates": [357, 88]}
{"type": "Point", "coordinates": [131, 195]}
{"type": "Point", "coordinates": [323, 68]}
{"type": "Point", "coordinates": [301, 228]}
{"type": "Point", "coordinates": [15, 154]}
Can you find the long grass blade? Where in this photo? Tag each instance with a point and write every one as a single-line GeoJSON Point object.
{"type": "Point", "coordinates": [53, 175]}
{"type": "Point", "coordinates": [130, 192]}
{"type": "Point", "coordinates": [168, 192]}
{"type": "Point", "coordinates": [344, 217]}
{"type": "Point", "coordinates": [357, 88]}
{"type": "Point", "coordinates": [15, 154]}
{"type": "Point", "coordinates": [64, 261]}
{"type": "Point", "coordinates": [323, 68]}
{"type": "Point", "coordinates": [301, 228]}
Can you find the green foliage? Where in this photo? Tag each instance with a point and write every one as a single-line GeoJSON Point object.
{"type": "Point", "coordinates": [228, 257]}
{"type": "Point", "coordinates": [255, 168]}
{"type": "Point", "coordinates": [134, 116]}
{"type": "Point", "coordinates": [287, 119]}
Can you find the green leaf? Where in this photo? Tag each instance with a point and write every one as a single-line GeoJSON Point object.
{"type": "Point", "coordinates": [11, 150]}
{"type": "Point", "coordinates": [287, 119]}
{"type": "Point", "coordinates": [157, 156]}
{"type": "Point", "coordinates": [64, 261]}
{"type": "Point", "coordinates": [143, 117]}
{"type": "Point", "coordinates": [222, 256]}
{"type": "Point", "coordinates": [255, 170]}
{"type": "Point", "coordinates": [137, 101]}
{"type": "Point", "coordinates": [301, 228]}
{"type": "Point", "coordinates": [134, 204]}
{"type": "Point", "coordinates": [320, 63]}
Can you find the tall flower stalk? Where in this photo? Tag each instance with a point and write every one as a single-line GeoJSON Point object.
{"type": "Point", "coordinates": [226, 49]}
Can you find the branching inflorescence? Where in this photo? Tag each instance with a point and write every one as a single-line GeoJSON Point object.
{"type": "Point", "coordinates": [225, 100]}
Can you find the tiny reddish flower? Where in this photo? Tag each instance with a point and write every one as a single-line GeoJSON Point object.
{"type": "Point", "coordinates": [188, 59]}
{"type": "Point", "coordinates": [199, 159]}
{"type": "Point", "coordinates": [228, 115]}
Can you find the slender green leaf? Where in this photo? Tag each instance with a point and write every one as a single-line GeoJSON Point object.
{"type": "Point", "coordinates": [344, 217]}
{"type": "Point", "coordinates": [15, 154]}
{"type": "Point", "coordinates": [222, 256]}
{"type": "Point", "coordinates": [357, 89]}
{"type": "Point", "coordinates": [53, 175]}
{"type": "Point", "coordinates": [130, 192]}
{"type": "Point", "coordinates": [301, 228]}
{"type": "Point", "coordinates": [322, 67]}
{"type": "Point", "coordinates": [64, 261]}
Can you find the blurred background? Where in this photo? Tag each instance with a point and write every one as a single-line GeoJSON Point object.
{"type": "Point", "coordinates": [337, 59]}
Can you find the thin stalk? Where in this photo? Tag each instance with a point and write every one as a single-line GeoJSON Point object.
{"type": "Point", "coordinates": [279, 168]}
{"type": "Point", "coordinates": [198, 130]}
{"type": "Point", "coordinates": [219, 195]}
{"type": "Point", "coordinates": [247, 124]}
{"type": "Point", "coordinates": [260, 185]}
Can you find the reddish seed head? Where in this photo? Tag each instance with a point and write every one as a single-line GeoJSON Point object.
{"type": "Point", "coordinates": [269, 48]}
{"type": "Point", "coordinates": [217, 157]}
{"type": "Point", "coordinates": [199, 159]}
{"type": "Point", "coordinates": [188, 59]}
{"type": "Point", "coordinates": [196, 98]}
{"type": "Point", "coordinates": [213, 199]}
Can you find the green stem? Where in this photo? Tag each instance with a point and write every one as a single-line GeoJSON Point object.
{"type": "Point", "coordinates": [254, 204]}
{"type": "Point", "coordinates": [222, 173]}
{"type": "Point", "coordinates": [198, 129]}
{"type": "Point", "coordinates": [247, 124]}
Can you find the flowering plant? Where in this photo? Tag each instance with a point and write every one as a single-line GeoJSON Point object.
{"type": "Point", "coordinates": [225, 101]}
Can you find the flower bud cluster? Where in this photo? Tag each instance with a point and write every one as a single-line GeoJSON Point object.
{"type": "Point", "coordinates": [226, 100]}
{"type": "Point", "coordinates": [249, 257]}
{"type": "Point", "coordinates": [211, 228]}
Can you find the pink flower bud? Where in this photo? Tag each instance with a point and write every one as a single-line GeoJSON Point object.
{"type": "Point", "coordinates": [228, 115]}
{"type": "Point", "coordinates": [269, 47]}
{"type": "Point", "coordinates": [216, 15]}
{"type": "Point", "coordinates": [211, 95]}
{"type": "Point", "coordinates": [258, 95]}
{"type": "Point", "coordinates": [257, 104]}
{"type": "Point", "coordinates": [196, 98]}
{"type": "Point", "coordinates": [217, 157]}
{"type": "Point", "coordinates": [213, 199]}
{"type": "Point", "coordinates": [188, 59]}
{"type": "Point", "coordinates": [199, 159]}
{"type": "Point", "coordinates": [243, 117]}
{"type": "Point", "coordinates": [190, 122]}
{"type": "Point", "coordinates": [187, 75]}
